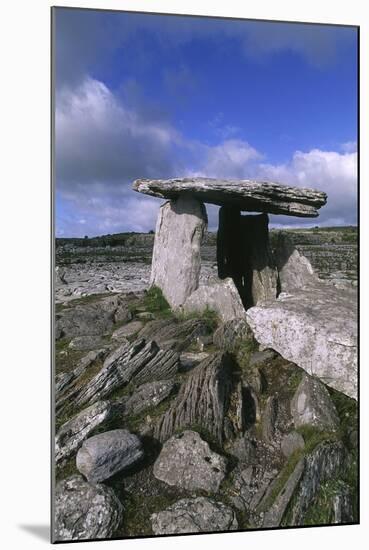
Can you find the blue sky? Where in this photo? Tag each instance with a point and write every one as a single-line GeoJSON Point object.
{"type": "Point", "coordinates": [160, 96]}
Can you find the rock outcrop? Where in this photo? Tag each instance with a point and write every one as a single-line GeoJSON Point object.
{"type": "Point", "coordinates": [84, 511]}
{"type": "Point", "coordinates": [176, 258]}
{"type": "Point", "coordinates": [194, 515]}
{"type": "Point", "coordinates": [202, 400]}
{"type": "Point", "coordinates": [247, 195]}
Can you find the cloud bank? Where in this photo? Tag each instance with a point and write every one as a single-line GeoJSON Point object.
{"type": "Point", "coordinates": [104, 142]}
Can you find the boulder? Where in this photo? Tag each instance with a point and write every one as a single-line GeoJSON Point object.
{"type": "Point", "coordinates": [187, 462]}
{"type": "Point", "coordinates": [194, 515]}
{"type": "Point", "coordinates": [315, 328]}
{"type": "Point", "coordinates": [176, 257]}
{"type": "Point", "coordinates": [84, 511]}
{"type": "Point", "coordinates": [73, 432]}
{"type": "Point", "coordinates": [203, 399]}
{"type": "Point", "coordinates": [294, 269]}
{"type": "Point", "coordinates": [248, 195]}
{"type": "Point", "coordinates": [311, 405]}
{"type": "Point", "coordinates": [220, 296]}
{"type": "Point", "coordinates": [103, 455]}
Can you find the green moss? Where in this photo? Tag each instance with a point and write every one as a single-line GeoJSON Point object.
{"type": "Point", "coordinates": [246, 349]}
{"type": "Point", "coordinates": [208, 316]}
{"type": "Point", "coordinates": [68, 469]}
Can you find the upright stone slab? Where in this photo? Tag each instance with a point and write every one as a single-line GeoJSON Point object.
{"type": "Point", "coordinates": [176, 260]}
{"type": "Point", "coordinates": [244, 254]}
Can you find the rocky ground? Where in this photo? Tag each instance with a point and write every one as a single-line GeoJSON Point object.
{"type": "Point", "coordinates": [122, 263]}
{"type": "Point", "coordinates": [172, 424]}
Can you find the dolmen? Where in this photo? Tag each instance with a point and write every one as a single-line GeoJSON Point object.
{"type": "Point", "coordinates": [288, 308]}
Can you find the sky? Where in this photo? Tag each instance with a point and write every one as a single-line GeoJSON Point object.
{"type": "Point", "coordinates": [155, 96]}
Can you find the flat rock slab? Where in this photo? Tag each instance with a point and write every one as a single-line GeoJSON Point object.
{"type": "Point", "coordinates": [194, 515]}
{"type": "Point", "coordinates": [247, 195]}
{"type": "Point", "coordinates": [103, 455]}
{"type": "Point", "coordinates": [186, 461]}
{"type": "Point", "coordinates": [84, 511]}
{"type": "Point", "coordinates": [315, 328]}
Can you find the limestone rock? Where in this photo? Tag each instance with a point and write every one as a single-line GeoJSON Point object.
{"type": "Point", "coordinates": [229, 335]}
{"type": "Point", "coordinates": [128, 330]}
{"type": "Point", "coordinates": [292, 442]}
{"type": "Point", "coordinates": [92, 319]}
{"type": "Point", "coordinates": [105, 454]}
{"type": "Point", "coordinates": [176, 257]}
{"type": "Point", "coordinates": [186, 461]}
{"type": "Point", "coordinates": [220, 296]}
{"type": "Point", "coordinates": [82, 343]}
{"type": "Point", "coordinates": [140, 362]}
{"type": "Point", "coordinates": [313, 406]}
{"type": "Point", "coordinates": [73, 432]}
{"type": "Point", "coordinates": [325, 462]}
{"type": "Point", "coordinates": [294, 270]}
{"type": "Point", "coordinates": [194, 515]}
{"type": "Point", "coordinates": [174, 334]}
{"type": "Point", "coordinates": [84, 511]}
{"type": "Point", "coordinates": [248, 195]}
{"type": "Point", "coordinates": [315, 328]}
{"type": "Point", "coordinates": [189, 360]}
{"type": "Point", "coordinates": [203, 399]}
{"type": "Point", "coordinates": [342, 504]}
{"type": "Point", "coordinates": [269, 419]}
{"type": "Point", "coordinates": [147, 396]}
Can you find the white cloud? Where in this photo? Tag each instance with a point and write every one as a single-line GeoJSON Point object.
{"type": "Point", "coordinates": [328, 171]}
{"type": "Point", "coordinates": [233, 158]}
{"type": "Point", "coordinates": [102, 145]}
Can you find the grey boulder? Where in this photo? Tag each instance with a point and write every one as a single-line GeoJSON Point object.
{"type": "Point", "coordinates": [194, 515]}
{"type": "Point", "coordinates": [220, 296]}
{"type": "Point", "coordinates": [291, 443]}
{"type": "Point", "coordinates": [312, 405]}
{"type": "Point", "coordinates": [84, 511]}
{"type": "Point", "coordinates": [103, 455]}
{"type": "Point", "coordinates": [315, 328]}
{"type": "Point", "coordinates": [186, 461]}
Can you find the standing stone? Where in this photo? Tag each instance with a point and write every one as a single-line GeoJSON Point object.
{"type": "Point", "coordinates": [244, 254]}
{"type": "Point", "coordinates": [176, 260]}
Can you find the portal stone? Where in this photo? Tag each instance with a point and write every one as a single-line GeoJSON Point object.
{"type": "Point", "coordinates": [244, 254]}
{"type": "Point", "coordinates": [176, 258]}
